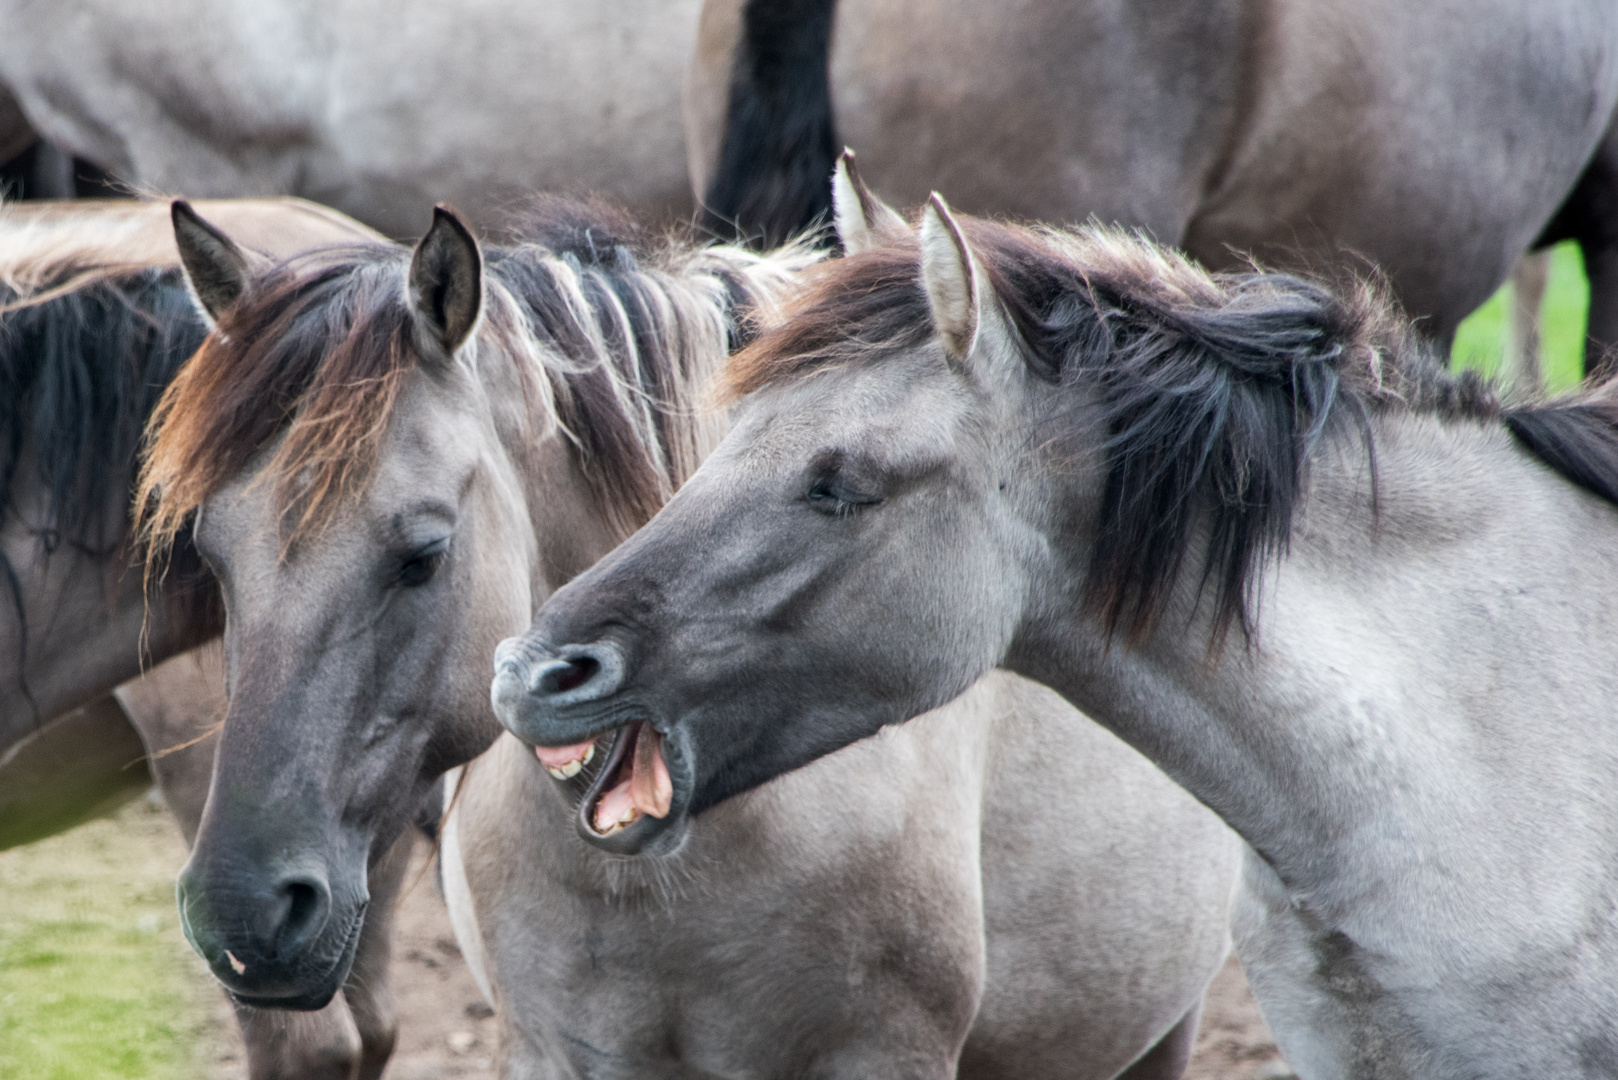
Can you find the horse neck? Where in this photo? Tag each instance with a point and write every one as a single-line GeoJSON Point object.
{"type": "Point", "coordinates": [1399, 676]}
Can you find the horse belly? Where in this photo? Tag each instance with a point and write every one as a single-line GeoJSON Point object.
{"type": "Point", "coordinates": [1053, 111]}
{"type": "Point", "coordinates": [1435, 140]}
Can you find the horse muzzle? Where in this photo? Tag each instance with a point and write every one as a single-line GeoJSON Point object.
{"type": "Point", "coordinates": [287, 946]}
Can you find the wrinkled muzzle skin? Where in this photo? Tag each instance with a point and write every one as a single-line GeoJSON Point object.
{"type": "Point", "coordinates": [793, 597]}
{"type": "Point", "coordinates": [354, 668]}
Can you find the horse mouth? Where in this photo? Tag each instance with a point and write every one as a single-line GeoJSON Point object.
{"type": "Point", "coordinates": [310, 1000]}
{"type": "Point", "coordinates": [632, 785]}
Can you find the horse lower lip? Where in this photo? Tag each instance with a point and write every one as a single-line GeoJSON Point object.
{"type": "Point", "coordinates": [302, 1003]}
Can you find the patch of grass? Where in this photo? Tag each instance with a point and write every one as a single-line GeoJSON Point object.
{"type": "Point", "coordinates": [95, 979]}
{"type": "Point", "coordinates": [1480, 340]}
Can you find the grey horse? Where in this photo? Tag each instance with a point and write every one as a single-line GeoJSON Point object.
{"type": "Point", "coordinates": [1355, 605]}
{"type": "Point", "coordinates": [1437, 140]}
{"type": "Point", "coordinates": [96, 318]}
{"type": "Point", "coordinates": [376, 108]}
{"type": "Point", "coordinates": [469, 429]}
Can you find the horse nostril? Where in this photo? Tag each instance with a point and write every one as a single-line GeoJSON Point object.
{"type": "Point", "coordinates": [582, 673]}
{"type": "Point", "coordinates": [568, 675]}
{"type": "Point", "coordinates": [304, 904]}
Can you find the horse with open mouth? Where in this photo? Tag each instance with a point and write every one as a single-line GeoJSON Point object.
{"type": "Point", "coordinates": [389, 461]}
{"type": "Point", "coordinates": [1352, 603]}
{"type": "Point", "coordinates": [95, 318]}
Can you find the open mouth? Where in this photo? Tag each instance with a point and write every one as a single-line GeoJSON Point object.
{"type": "Point", "coordinates": [632, 782]}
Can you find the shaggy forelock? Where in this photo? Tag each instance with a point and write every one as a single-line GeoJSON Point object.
{"type": "Point", "coordinates": [610, 333]}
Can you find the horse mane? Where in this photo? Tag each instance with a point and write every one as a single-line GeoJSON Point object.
{"type": "Point", "coordinates": [1214, 391]}
{"type": "Point", "coordinates": [610, 331]}
{"type": "Point", "coordinates": [46, 256]}
{"type": "Point", "coordinates": [86, 347]}
{"type": "Point", "coordinates": [81, 369]}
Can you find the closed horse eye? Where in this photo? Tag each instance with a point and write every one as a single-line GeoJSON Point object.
{"type": "Point", "coordinates": [831, 495]}
{"type": "Point", "coordinates": [420, 567]}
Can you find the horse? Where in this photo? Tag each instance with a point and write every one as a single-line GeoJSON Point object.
{"type": "Point", "coordinates": [94, 320]}
{"type": "Point", "coordinates": [1439, 141]}
{"type": "Point", "coordinates": [376, 110]}
{"type": "Point", "coordinates": [1351, 602]}
{"type": "Point", "coordinates": [388, 461]}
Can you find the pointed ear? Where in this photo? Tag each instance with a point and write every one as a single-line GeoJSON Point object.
{"type": "Point", "coordinates": [951, 278]}
{"type": "Point", "coordinates": [861, 217]}
{"type": "Point", "coordinates": [216, 269]}
{"type": "Point", "coordinates": [446, 282]}
{"type": "Point", "coordinates": [976, 333]}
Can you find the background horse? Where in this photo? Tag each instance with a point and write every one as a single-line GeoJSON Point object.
{"type": "Point", "coordinates": [377, 109]}
{"type": "Point", "coordinates": [468, 430]}
{"type": "Point", "coordinates": [95, 321]}
{"type": "Point", "coordinates": [1439, 140]}
{"type": "Point", "coordinates": [1075, 455]}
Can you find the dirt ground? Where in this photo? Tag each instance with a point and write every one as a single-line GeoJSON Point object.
{"type": "Point", "coordinates": [446, 1032]}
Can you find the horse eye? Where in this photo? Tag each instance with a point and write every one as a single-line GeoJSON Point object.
{"type": "Point", "coordinates": [419, 569]}
{"type": "Point", "coordinates": [830, 495]}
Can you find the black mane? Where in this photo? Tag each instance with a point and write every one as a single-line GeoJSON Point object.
{"type": "Point", "coordinates": [79, 375]}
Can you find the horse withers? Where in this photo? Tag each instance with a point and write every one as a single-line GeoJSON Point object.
{"type": "Point", "coordinates": [1351, 602]}
{"type": "Point", "coordinates": [466, 429]}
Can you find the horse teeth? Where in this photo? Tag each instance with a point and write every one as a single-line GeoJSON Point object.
{"type": "Point", "coordinates": [568, 771]}
{"type": "Point", "coordinates": [627, 818]}
{"type": "Point", "coordinates": [589, 755]}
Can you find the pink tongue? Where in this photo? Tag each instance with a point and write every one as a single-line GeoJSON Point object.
{"type": "Point", "coordinates": [649, 782]}
{"type": "Point", "coordinates": [648, 789]}
{"type": "Point", "coordinates": [558, 757]}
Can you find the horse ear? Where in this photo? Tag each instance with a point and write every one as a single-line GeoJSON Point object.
{"type": "Point", "coordinates": [951, 276]}
{"type": "Point", "coordinates": [861, 217]}
{"type": "Point", "coordinates": [446, 281]}
{"type": "Point", "coordinates": [975, 333]}
{"type": "Point", "coordinates": [216, 269]}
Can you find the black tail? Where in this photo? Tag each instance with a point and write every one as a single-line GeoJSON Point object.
{"type": "Point", "coordinates": [774, 174]}
{"type": "Point", "coordinates": [1578, 439]}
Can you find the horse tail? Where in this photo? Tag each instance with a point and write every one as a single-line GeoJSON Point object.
{"type": "Point", "coordinates": [775, 161]}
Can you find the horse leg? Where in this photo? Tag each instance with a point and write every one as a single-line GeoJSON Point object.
{"type": "Point", "coordinates": [1523, 366]}
{"type": "Point", "coordinates": [1167, 1060]}
{"type": "Point", "coordinates": [1590, 216]}
{"type": "Point", "coordinates": [78, 766]}
{"type": "Point", "coordinates": [177, 707]}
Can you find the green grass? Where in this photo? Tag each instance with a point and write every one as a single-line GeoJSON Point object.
{"type": "Point", "coordinates": [1480, 341]}
{"type": "Point", "coordinates": [95, 980]}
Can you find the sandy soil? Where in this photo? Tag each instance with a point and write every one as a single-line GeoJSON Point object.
{"type": "Point", "coordinates": [1234, 1042]}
